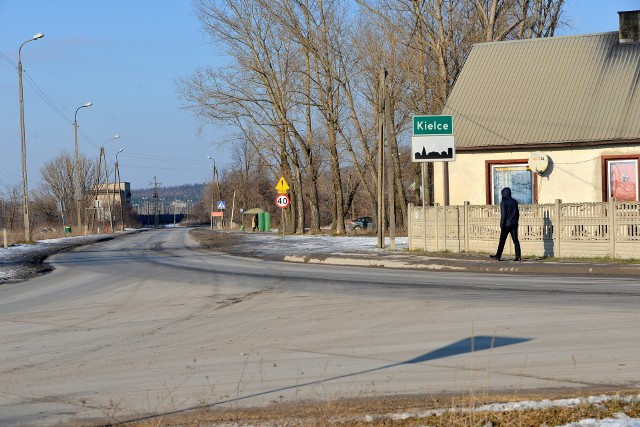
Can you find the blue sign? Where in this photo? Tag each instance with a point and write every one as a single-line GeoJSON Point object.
{"type": "Point", "coordinates": [221, 205]}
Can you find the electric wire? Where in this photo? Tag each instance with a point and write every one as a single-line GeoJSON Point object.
{"type": "Point", "coordinates": [85, 137]}
{"type": "Point", "coordinates": [9, 60]}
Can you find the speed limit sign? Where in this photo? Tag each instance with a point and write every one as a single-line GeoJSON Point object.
{"type": "Point", "coordinates": [282, 201]}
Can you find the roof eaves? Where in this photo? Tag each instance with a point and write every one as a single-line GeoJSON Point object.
{"type": "Point", "coordinates": [548, 145]}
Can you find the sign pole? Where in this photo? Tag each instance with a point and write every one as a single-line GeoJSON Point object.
{"type": "Point", "coordinates": [282, 200]}
{"type": "Point", "coordinates": [433, 141]}
{"type": "Point", "coordinates": [445, 182]}
{"type": "Point", "coordinates": [233, 208]}
{"type": "Point", "coordinates": [424, 208]}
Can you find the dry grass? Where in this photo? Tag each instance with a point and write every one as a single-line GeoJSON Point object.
{"type": "Point", "coordinates": [16, 236]}
{"type": "Point", "coordinates": [403, 411]}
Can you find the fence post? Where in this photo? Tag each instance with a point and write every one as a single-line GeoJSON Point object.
{"type": "Point", "coordinates": [409, 227]}
{"type": "Point", "coordinates": [612, 226]}
{"type": "Point", "coordinates": [466, 226]}
{"type": "Point", "coordinates": [4, 237]}
{"type": "Point", "coordinates": [444, 226]}
{"type": "Point", "coordinates": [557, 230]}
{"type": "Point", "coordinates": [437, 229]}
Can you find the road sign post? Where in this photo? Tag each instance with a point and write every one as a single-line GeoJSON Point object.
{"type": "Point", "coordinates": [282, 200]}
{"type": "Point", "coordinates": [433, 141]}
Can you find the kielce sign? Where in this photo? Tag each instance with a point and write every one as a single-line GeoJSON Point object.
{"type": "Point", "coordinates": [432, 139]}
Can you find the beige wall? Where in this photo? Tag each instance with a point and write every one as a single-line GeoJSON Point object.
{"type": "Point", "coordinates": [573, 175]}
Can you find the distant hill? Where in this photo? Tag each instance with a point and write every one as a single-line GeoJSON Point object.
{"type": "Point", "coordinates": [191, 192]}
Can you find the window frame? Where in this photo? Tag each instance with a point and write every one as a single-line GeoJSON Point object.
{"type": "Point", "coordinates": [489, 164]}
{"type": "Point", "coordinates": [605, 162]}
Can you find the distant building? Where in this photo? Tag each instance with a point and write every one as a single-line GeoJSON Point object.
{"type": "Point", "coordinates": [570, 104]}
{"type": "Point", "coordinates": [112, 194]}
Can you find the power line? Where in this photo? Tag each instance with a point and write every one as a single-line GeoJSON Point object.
{"type": "Point", "coordinates": [9, 60]}
{"type": "Point", "coordinates": [164, 168]}
{"type": "Point", "coordinates": [40, 92]}
{"type": "Point", "coordinates": [45, 98]}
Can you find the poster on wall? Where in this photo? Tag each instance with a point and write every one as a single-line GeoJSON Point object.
{"type": "Point", "coordinates": [623, 179]}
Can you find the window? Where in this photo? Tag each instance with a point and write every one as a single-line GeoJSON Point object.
{"type": "Point", "coordinates": [513, 174]}
{"type": "Point", "coordinates": [621, 178]}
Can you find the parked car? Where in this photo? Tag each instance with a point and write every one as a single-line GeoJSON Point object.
{"type": "Point", "coordinates": [360, 223]}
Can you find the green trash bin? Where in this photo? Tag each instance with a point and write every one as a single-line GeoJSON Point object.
{"type": "Point", "coordinates": [264, 221]}
{"type": "Point", "coordinates": [267, 221]}
{"type": "Point", "coordinates": [67, 229]}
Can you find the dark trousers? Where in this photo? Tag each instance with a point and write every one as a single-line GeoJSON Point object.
{"type": "Point", "coordinates": [504, 232]}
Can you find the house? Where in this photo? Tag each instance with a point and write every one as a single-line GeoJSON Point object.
{"type": "Point", "coordinates": [552, 118]}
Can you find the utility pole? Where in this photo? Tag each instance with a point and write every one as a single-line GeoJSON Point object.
{"type": "Point", "coordinates": [380, 187]}
{"type": "Point", "coordinates": [97, 201]}
{"type": "Point", "coordinates": [385, 126]}
{"type": "Point", "coordinates": [79, 186]}
{"type": "Point", "coordinates": [106, 178]}
{"type": "Point", "coordinates": [145, 203]}
{"type": "Point", "coordinates": [155, 200]}
{"type": "Point", "coordinates": [214, 179]}
{"type": "Point", "coordinates": [175, 206]}
{"type": "Point", "coordinates": [390, 171]}
{"type": "Point", "coordinates": [120, 191]}
{"type": "Point", "coordinates": [233, 208]}
{"type": "Point", "coordinates": [106, 174]}
{"type": "Point", "coordinates": [23, 146]}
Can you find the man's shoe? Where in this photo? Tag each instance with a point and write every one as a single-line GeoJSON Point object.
{"type": "Point", "coordinates": [518, 259]}
{"type": "Point", "coordinates": [496, 257]}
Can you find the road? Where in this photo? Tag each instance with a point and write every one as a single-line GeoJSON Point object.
{"type": "Point", "coordinates": [150, 323]}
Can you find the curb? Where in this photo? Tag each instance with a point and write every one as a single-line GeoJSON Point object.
{"type": "Point", "coordinates": [414, 262]}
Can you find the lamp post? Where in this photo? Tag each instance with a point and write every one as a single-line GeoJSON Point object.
{"type": "Point", "coordinates": [79, 186]}
{"type": "Point", "coordinates": [25, 187]}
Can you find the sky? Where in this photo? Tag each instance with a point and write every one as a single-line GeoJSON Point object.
{"type": "Point", "coordinates": [125, 56]}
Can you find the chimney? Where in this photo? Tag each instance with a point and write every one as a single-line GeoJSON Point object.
{"type": "Point", "coordinates": [629, 26]}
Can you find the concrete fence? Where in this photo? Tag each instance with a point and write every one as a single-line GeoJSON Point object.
{"type": "Point", "coordinates": [555, 230]}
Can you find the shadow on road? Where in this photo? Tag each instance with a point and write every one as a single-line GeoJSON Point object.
{"type": "Point", "coordinates": [464, 346]}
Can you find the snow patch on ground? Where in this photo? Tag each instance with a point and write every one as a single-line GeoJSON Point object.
{"type": "Point", "coordinates": [620, 420]}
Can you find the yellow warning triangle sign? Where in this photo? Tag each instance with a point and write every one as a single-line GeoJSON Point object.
{"type": "Point", "coordinates": [282, 185]}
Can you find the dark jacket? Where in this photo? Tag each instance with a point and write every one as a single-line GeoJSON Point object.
{"type": "Point", "coordinates": [509, 214]}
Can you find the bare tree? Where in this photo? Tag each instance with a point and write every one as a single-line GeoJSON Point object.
{"type": "Point", "coordinates": [58, 182]}
{"type": "Point", "coordinates": [12, 206]}
{"type": "Point", "coordinates": [257, 94]}
{"type": "Point", "coordinates": [438, 35]}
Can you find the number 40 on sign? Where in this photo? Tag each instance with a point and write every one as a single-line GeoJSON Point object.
{"type": "Point", "coordinates": [282, 201]}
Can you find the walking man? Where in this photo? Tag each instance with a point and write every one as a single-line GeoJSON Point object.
{"type": "Point", "coordinates": [509, 216]}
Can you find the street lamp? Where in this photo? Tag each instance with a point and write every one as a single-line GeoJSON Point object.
{"type": "Point", "coordinates": [79, 186]}
{"type": "Point", "coordinates": [25, 187]}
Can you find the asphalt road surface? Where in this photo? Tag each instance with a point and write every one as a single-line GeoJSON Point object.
{"type": "Point", "coordinates": [150, 323]}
